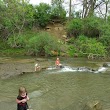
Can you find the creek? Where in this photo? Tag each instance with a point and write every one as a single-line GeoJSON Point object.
{"type": "Point", "coordinates": [54, 90]}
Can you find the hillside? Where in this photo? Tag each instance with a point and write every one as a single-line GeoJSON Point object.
{"type": "Point", "coordinates": [57, 30]}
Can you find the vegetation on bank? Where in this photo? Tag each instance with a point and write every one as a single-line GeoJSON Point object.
{"type": "Point", "coordinates": [85, 35]}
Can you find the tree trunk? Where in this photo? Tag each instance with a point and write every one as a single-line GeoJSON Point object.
{"type": "Point", "coordinates": [92, 6]}
{"type": "Point", "coordinates": [106, 9]}
{"type": "Point", "coordinates": [88, 8]}
{"type": "Point", "coordinates": [70, 10]}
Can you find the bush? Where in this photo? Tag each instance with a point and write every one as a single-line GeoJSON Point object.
{"type": "Point", "coordinates": [105, 40]}
{"type": "Point", "coordinates": [105, 29]}
{"type": "Point", "coordinates": [84, 45]}
{"type": "Point", "coordinates": [19, 40]}
{"type": "Point", "coordinates": [72, 50]}
{"type": "Point", "coordinates": [74, 27]}
{"type": "Point", "coordinates": [42, 44]}
{"type": "Point", "coordinates": [91, 26]}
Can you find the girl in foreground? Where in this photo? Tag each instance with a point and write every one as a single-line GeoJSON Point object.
{"type": "Point", "coordinates": [22, 99]}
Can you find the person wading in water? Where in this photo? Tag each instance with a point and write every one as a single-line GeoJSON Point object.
{"type": "Point", "coordinates": [22, 99]}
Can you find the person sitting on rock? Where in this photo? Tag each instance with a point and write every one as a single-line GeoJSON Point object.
{"type": "Point", "coordinates": [57, 63]}
{"type": "Point", "coordinates": [37, 67]}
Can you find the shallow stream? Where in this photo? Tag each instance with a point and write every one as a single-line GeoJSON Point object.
{"type": "Point", "coordinates": [58, 90]}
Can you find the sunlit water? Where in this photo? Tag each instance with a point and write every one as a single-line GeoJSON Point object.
{"type": "Point", "coordinates": [68, 90]}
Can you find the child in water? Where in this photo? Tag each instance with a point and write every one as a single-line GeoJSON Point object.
{"type": "Point", "coordinates": [37, 67]}
{"type": "Point", "coordinates": [57, 63]}
{"type": "Point", "coordinates": [22, 99]}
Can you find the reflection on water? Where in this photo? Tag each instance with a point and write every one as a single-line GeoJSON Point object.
{"type": "Point", "coordinates": [65, 91]}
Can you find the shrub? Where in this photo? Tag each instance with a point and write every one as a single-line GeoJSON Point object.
{"type": "Point", "coordinates": [91, 26]}
{"type": "Point", "coordinates": [74, 27]}
{"type": "Point", "coordinates": [19, 40]}
{"type": "Point", "coordinates": [72, 50]}
{"type": "Point", "coordinates": [87, 45]}
{"type": "Point", "coordinates": [105, 29]}
{"type": "Point", "coordinates": [105, 40]}
{"type": "Point", "coordinates": [42, 44]}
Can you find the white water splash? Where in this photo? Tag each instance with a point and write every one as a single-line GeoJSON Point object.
{"type": "Point", "coordinates": [76, 69]}
{"type": "Point", "coordinates": [101, 70]}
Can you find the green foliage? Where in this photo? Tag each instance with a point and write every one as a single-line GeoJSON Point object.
{"type": "Point", "coordinates": [57, 3]}
{"type": "Point", "coordinates": [58, 13]}
{"type": "Point", "coordinates": [74, 27]}
{"type": "Point", "coordinates": [105, 40]}
{"type": "Point", "coordinates": [3, 45]}
{"type": "Point", "coordinates": [29, 16]}
{"type": "Point", "coordinates": [7, 51]}
{"type": "Point", "coordinates": [35, 43]}
{"type": "Point", "coordinates": [57, 10]}
{"type": "Point", "coordinates": [71, 40]}
{"type": "Point", "coordinates": [76, 14]}
{"type": "Point", "coordinates": [17, 41]}
{"type": "Point", "coordinates": [105, 29]}
{"type": "Point", "coordinates": [72, 50]}
{"type": "Point", "coordinates": [87, 45]}
{"type": "Point", "coordinates": [20, 40]}
{"type": "Point", "coordinates": [16, 15]}
{"type": "Point", "coordinates": [42, 44]}
{"type": "Point", "coordinates": [108, 19]}
{"type": "Point", "coordinates": [91, 26]}
{"type": "Point", "coordinates": [12, 52]}
{"type": "Point", "coordinates": [42, 15]}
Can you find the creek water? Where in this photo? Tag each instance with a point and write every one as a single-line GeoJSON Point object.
{"type": "Point", "coordinates": [58, 90]}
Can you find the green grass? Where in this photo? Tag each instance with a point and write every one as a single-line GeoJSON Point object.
{"type": "Point", "coordinates": [12, 52]}
{"type": "Point", "coordinates": [6, 50]}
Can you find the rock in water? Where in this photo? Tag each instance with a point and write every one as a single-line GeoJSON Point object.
{"type": "Point", "coordinates": [93, 105]}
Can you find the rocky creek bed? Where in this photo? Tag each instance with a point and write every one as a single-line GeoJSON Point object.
{"type": "Point", "coordinates": [16, 66]}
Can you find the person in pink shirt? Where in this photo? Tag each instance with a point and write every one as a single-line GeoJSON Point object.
{"type": "Point", "coordinates": [57, 63]}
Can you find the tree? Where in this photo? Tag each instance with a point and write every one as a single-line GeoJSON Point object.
{"type": "Point", "coordinates": [2, 10]}
{"type": "Point", "coordinates": [89, 6]}
{"type": "Point", "coordinates": [58, 10]}
{"type": "Point", "coordinates": [42, 15]}
{"type": "Point", "coordinates": [57, 3]}
{"type": "Point", "coordinates": [16, 15]}
{"type": "Point", "coordinates": [106, 8]}
{"type": "Point", "coordinates": [70, 10]}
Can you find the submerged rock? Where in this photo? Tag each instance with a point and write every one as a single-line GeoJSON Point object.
{"type": "Point", "coordinates": [107, 64]}
{"type": "Point", "coordinates": [93, 105]}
